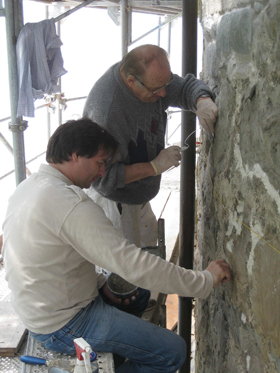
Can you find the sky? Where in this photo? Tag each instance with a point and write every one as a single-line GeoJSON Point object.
{"type": "Point", "coordinates": [91, 44]}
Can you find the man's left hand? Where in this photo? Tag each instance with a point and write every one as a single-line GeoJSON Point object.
{"type": "Point", "coordinates": [207, 112]}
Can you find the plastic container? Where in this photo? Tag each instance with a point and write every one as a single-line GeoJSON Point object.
{"type": "Point", "coordinates": [85, 362]}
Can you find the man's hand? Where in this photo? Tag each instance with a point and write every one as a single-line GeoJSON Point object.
{"type": "Point", "coordinates": [167, 158]}
{"type": "Point", "coordinates": [113, 299]}
{"type": "Point", "coordinates": [220, 271]}
{"type": "Point", "coordinates": [207, 112]}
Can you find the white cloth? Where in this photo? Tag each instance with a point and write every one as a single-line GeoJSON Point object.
{"type": "Point", "coordinates": [137, 223]}
{"type": "Point", "coordinates": [54, 235]}
{"type": "Point", "coordinates": [39, 63]}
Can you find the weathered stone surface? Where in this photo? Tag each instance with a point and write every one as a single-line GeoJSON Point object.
{"type": "Point", "coordinates": [238, 326]}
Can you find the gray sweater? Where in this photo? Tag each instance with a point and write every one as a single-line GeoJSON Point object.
{"type": "Point", "coordinates": [139, 127]}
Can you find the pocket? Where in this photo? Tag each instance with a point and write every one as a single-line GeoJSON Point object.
{"type": "Point", "coordinates": [55, 344]}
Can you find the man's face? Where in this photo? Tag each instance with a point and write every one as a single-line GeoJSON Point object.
{"type": "Point", "coordinates": [87, 170]}
{"type": "Point", "coordinates": [155, 78]}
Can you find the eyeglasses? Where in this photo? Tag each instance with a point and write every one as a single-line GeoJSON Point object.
{"type": "Point", "coordinates": [154, 92]}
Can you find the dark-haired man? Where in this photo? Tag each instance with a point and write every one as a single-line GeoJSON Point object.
{"type": "Point", "coordinates": [130, 101]}
{"type": "Point", "coordinates": [55, 235]}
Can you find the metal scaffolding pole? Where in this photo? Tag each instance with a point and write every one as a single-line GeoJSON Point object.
{"type": "Point", "coordinates": [2, 11]}
{"type": "Point", "coordinates": [125, 25]}
{"type": "Point", "coordinates": [66, 14]}
{"type": "Point", "coordinates": [156, 28]}
{"type": "Point", "coordinates": [59, 82]}
{"type": "Point", "coordinates": [187, 211]}
{"type": "Point", "coordinates": [47, 109]}
{"type": "Point", "coordinates": [159, 31]}
{"type": "Point", "coordinates": [14, 22]}
{"type": "Point", "coordinates": [169, 37]}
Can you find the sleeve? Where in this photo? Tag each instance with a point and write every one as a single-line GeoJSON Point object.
{"type": "Point", "coordinates": [100, 276]}
{"type": "Point", "coordinates": [184, 92]}
{"type": "Point", "coordinates": [93, 236]}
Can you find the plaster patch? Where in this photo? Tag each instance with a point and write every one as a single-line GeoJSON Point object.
{"type": "Point", "coordinates": [255, 239]}
{"type": "Point", "coordinates": [238, 158]}
{"type": "Point", "coordinates": [257, 172]}
{"type": "Point", "coordinates": [229, 245]}
{"type": "Point", "coordinates": [240, 207]}
{"type": "Point", "coordinates": [209, 27]}
{"type": "Point", "coordinates": [248, 358]}
{"type": "Point", "coordinates": [274, 194]}
{"type": "Point", "coordinates": [242, 71]}
{"type": "Point", "coordinates": [243, 318]}
{"type": "Point", "coordinates": [208, 23]}
{"type": "Point", "coordinates": [233, 222]}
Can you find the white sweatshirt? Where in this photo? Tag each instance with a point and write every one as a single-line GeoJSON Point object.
{"type": "Point", "coordinates": [54, 235]}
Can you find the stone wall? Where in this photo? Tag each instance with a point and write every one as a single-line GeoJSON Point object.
{"type": "Point", "coordinates": [238, 326]}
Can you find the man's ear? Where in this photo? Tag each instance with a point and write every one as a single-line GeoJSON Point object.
{"type": "Point", "coordinates": [131, 81]}
{"type": "Point", "coordinates": [74, 157]}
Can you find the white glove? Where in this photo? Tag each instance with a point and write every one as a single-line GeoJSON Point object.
{"type": "Point", "coordinates": [207, 112]}
{"type": "Point", "coordinates": [167, 158]}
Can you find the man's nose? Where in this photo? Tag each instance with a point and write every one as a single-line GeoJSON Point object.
{"type": "Point", "coordinates": [162, 92]}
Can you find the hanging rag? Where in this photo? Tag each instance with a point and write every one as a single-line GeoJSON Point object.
{"type": "Point", "coordinates": [39, 63]}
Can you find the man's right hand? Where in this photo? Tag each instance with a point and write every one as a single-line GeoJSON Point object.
{"type": "Point", "coordinates": [167, 158]}
{"type": "Point", "coordinates": [220, 271]}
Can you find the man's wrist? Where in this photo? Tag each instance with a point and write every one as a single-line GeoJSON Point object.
{"type": "Point", "coordinates": [154, 167]}
{"type": "Point", "coordinates": [202, 97]}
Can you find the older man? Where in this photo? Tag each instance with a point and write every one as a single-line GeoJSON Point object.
{"type": "Point", "coordinates": [55, 235]}
{"type": "Point", "coordinates": [130, 101]}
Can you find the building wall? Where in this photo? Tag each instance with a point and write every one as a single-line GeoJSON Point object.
{"type": "Point", "coordinates": [238, 326]}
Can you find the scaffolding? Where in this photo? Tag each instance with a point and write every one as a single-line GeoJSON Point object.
{"type": "Point", "coordinates": [13, 13]}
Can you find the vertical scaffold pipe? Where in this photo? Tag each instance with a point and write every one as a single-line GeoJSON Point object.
{"type": "Point", "coordinates": [13, 14]}
{"type": "Point", "coordinates": [187, 197]}
{"type": "Point", "coordinates": [124, 25]}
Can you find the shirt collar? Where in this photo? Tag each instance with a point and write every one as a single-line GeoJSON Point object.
{"type": "Point", "coordinates": [46, 168]}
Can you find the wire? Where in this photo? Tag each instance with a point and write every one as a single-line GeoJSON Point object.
{"type": "Point", "coordinates": [186, 147]}
{"type": "Point", "coordinates": [183, 148]}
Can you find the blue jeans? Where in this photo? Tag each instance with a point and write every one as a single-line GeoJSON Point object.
{"type": "Point", "coordinates": [146, 347]}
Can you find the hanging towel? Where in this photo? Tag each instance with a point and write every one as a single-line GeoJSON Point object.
{"type": "Point", "coordinates": [39, 63]}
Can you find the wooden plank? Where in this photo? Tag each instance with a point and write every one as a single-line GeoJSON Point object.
{"type": "Point", "coordinates": [12, 331]}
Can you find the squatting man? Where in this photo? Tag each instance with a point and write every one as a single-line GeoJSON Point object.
{"type": "Point", "coordinates": [55, 235]}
